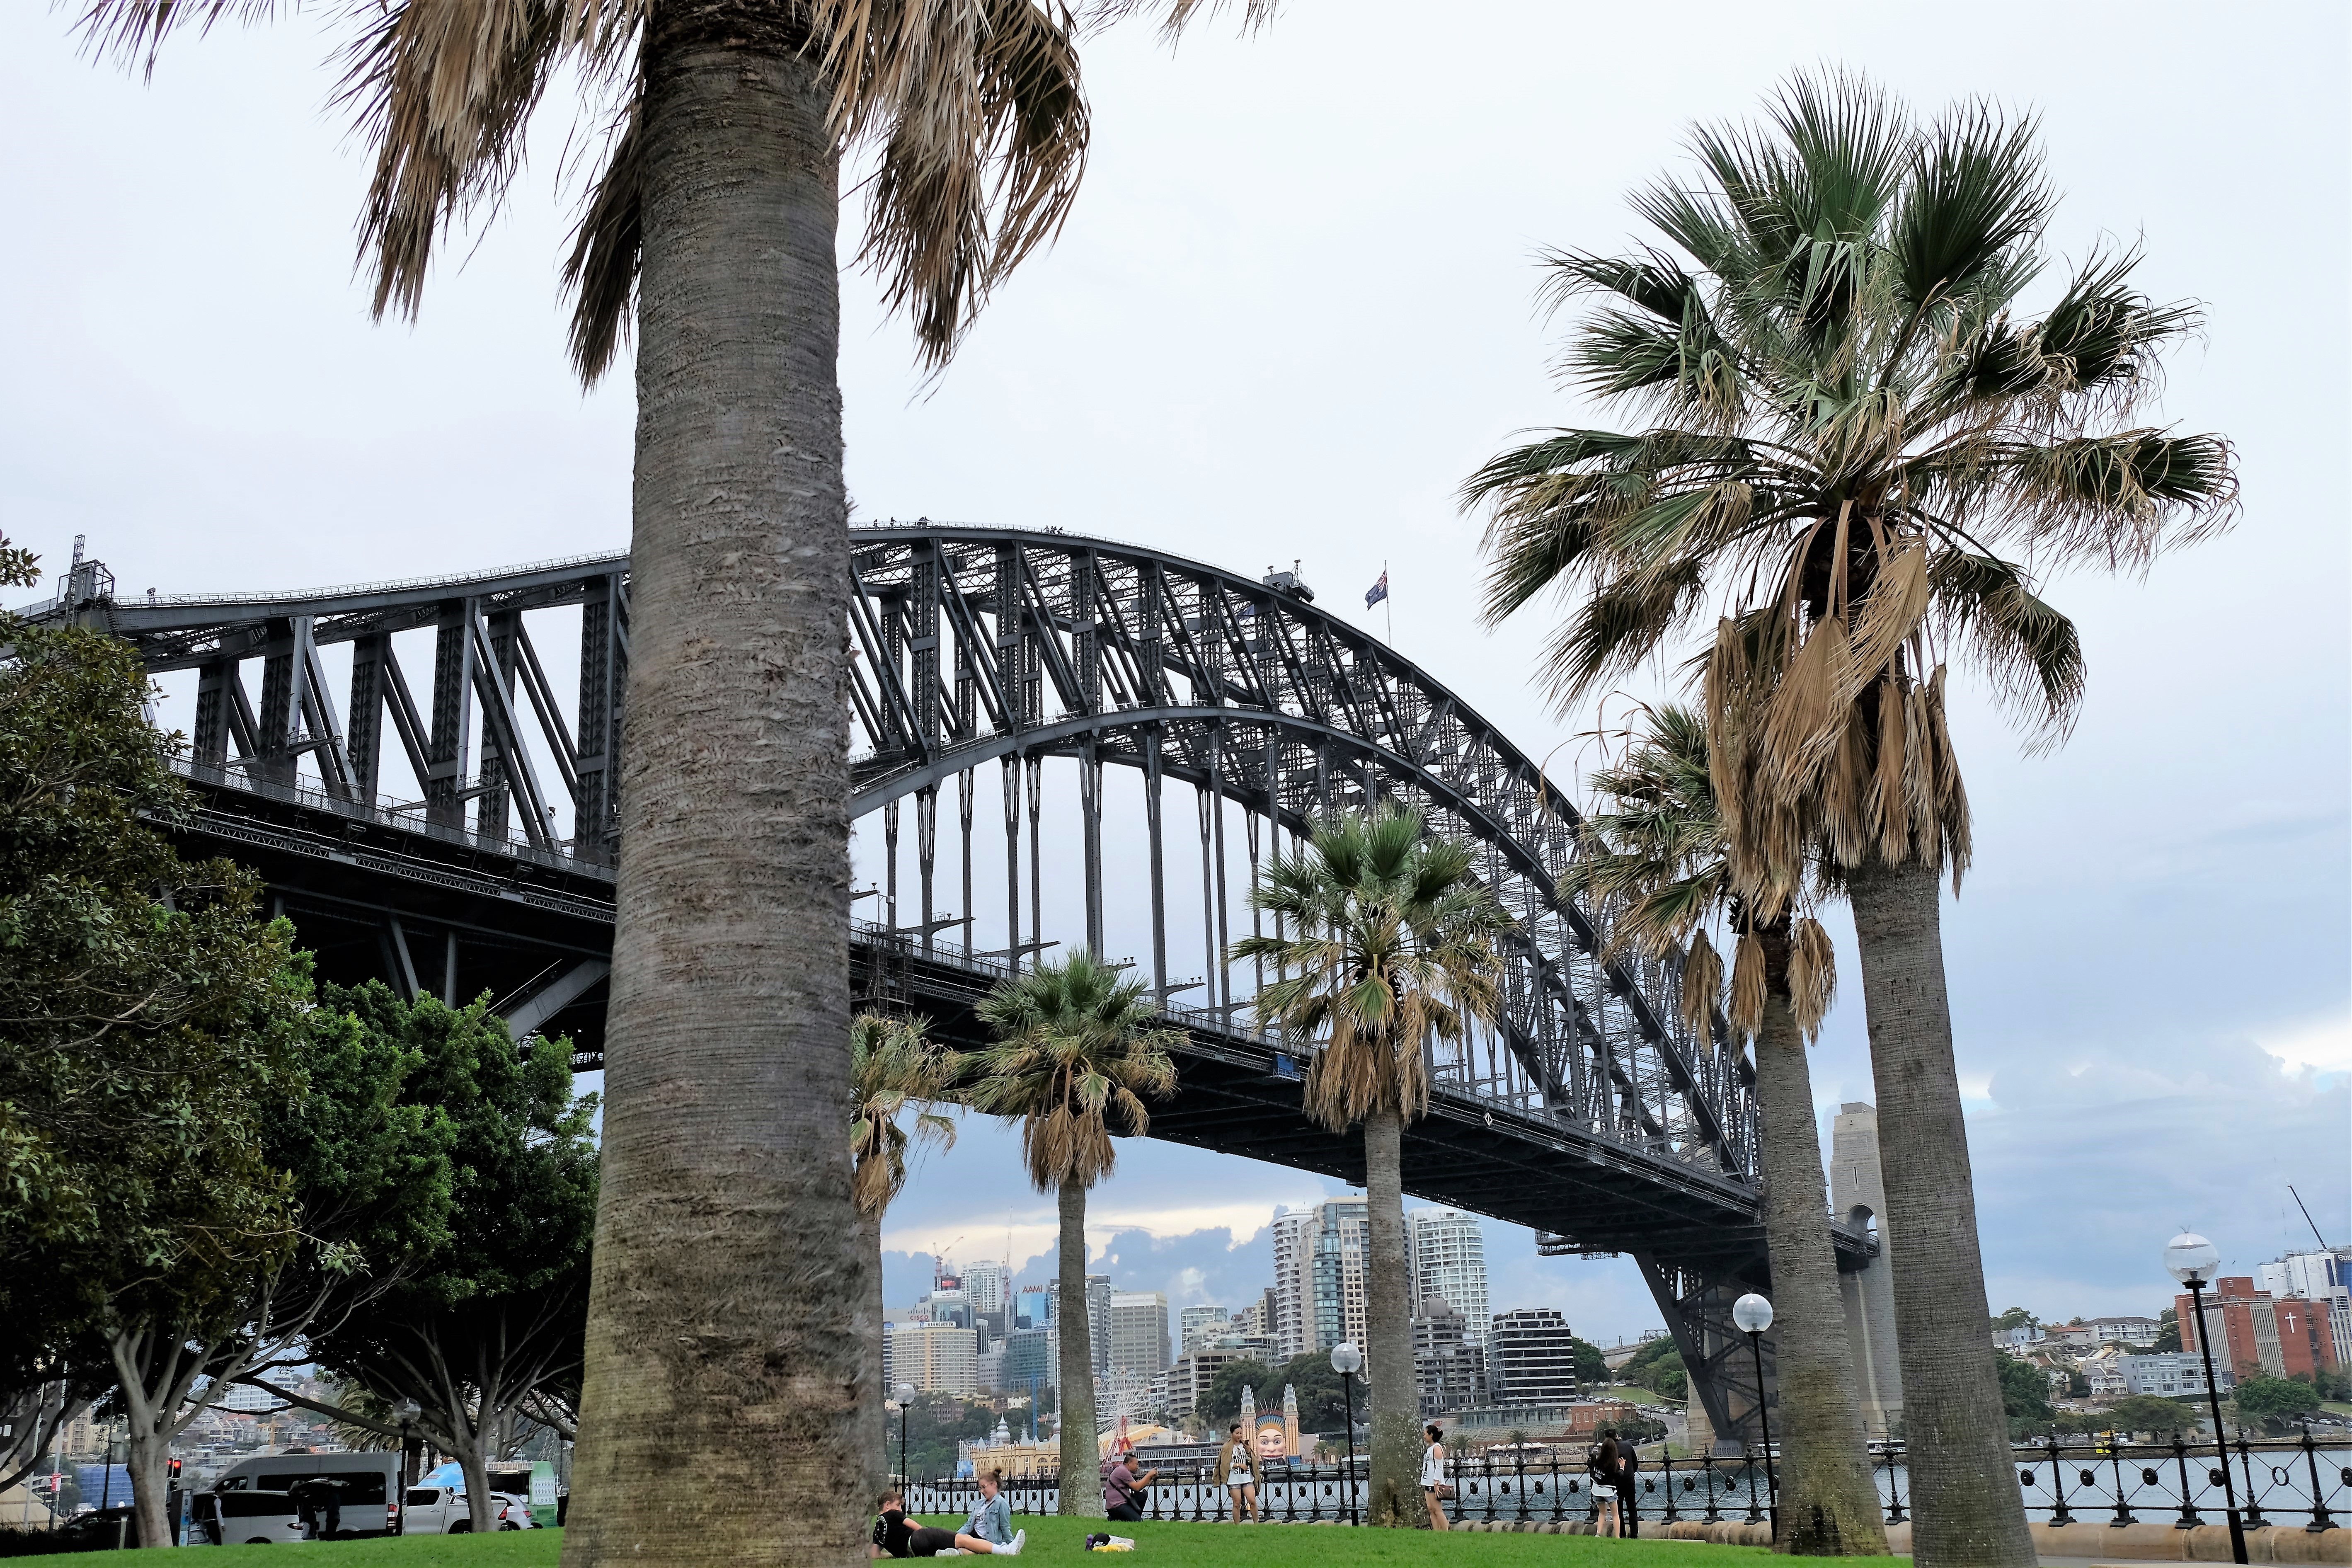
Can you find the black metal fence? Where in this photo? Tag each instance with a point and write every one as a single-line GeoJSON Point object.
{"type": "Point", "coordinates": [2295, 1481]}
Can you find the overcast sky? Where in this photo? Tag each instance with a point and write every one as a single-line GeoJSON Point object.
{"type": "Point", "coordinates": [1292, 310]}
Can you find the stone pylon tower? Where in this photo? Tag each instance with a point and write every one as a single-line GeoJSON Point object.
{"type": "Point", "coordinates": [1290, 1421]}
{"type": "Point", "coordinates": [1249, 1412]}
{"type": "Point", "coordinates": [1858, 1197]}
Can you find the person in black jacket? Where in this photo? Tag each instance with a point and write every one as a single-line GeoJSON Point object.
{"type": "Point", "coordinates": [1629, 1507]}
{"type": "Point", "coordinates": [1600, 1469]}
{"type": "Point", "coordinates": [895, 1537]}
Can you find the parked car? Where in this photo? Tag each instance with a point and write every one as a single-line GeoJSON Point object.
{"type": "Point", "coordinates": [442, 1509]}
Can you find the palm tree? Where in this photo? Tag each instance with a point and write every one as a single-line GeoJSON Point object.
{"type": "Point", "coordinates": [708, 231]}
{"type": "Point", "coordinates": [1851, 412]}
{"type": "Point", "coordinates": [1656, 852]}
{"type": "Point", "coordinates": [894, 1069]}
{"type": "Point", "coordinates": [1389, 944]}
{"type": "Point", "coordinates": [1075, 1058]}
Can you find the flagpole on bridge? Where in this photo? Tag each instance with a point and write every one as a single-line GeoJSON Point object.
{"type": "Point", "coordinates": [1388, 605]}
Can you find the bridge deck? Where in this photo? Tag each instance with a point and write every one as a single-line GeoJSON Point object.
{"type": "Point", "coordinates": [519, 916]}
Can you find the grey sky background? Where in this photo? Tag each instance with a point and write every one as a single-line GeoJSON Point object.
{"type": "Point", "coordinates": [1292, 310]}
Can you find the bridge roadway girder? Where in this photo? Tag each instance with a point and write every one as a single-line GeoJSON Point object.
{"type": "Point", "coordinates": [348, 881]}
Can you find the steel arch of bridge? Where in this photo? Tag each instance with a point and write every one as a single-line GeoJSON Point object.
{"type": "Point", "coordinates": [979, 645]}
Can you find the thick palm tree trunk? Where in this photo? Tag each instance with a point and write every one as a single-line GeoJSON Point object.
{"type": "Point", "coordinates": [1081, 1493]}
{"type": "Point", "coordinates": [1966, 1507]}
{"type": "Point", "coordinates": [726, 1370]}
{"type": "Point", "coordinates": [1395, 1480]}
{"type": "Point", "coordinates": [1829, 1507]}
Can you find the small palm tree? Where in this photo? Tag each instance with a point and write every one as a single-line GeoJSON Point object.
{"type": "Point", "coordinates": [894, 1069]}
{"type": "Point", "coordinates": [1656, 850]}
{"type": "Point", "coordinates": [1075, 1055]}
{"type": "Point", "coordinates": [1391, 945]}
{"type": "Point", "coordinates": [1862, 450]}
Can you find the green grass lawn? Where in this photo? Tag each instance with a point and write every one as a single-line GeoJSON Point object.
{"type": "Point", "coordinates": [1175, 1545]}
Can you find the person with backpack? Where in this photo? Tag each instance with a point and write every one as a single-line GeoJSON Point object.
{"type": "Point", "coordinates": [1600, 1468]}
{"type": "Point", "coordinates": [1629, 1507]}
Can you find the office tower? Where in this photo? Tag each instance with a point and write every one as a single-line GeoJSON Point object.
{"type": "Point", "coordinates": [1448, 1369]}
{"type": "Point", "coordinates": [1033, 1307]}
{"type": "Point", "coordinates": [949, 1305]}
{"type": "Point", "coordinates": [989, 1285]}
{"type": "Point", "coordinates": [1531, 1358]}
{"type": "Point", "coordinates": [1193, 1322]}
{"type": "Point", "coordinates": [1029, 1356]}
{"type": "Point", "coordinates": [1320, 1256]}
{"type": "Point", "coordinates": [1138, 1331]}
{"type": "Point", "coordinates": [936, 1358]}
{"type": "Point", "coordinates": [1098, 1316]}
{"type": "Point", "coordinates": [1447, 1253]}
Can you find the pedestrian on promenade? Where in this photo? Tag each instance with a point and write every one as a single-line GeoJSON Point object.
{"type": "Point", "coordinates": [1628, 1506]}
{"type": "Point", "coordinates": [1600, 1470]}
{"type": "Point", "coordinates": [1434, 1488]}
{"type": "Point", "coordinates": [1237, 1468]}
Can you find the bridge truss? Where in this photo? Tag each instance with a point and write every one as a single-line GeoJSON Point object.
{"type": "Point", "coordinates": [995, 668]}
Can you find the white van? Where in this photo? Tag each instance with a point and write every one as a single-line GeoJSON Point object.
{"type": "Point", "coordinates": [252, 1501]}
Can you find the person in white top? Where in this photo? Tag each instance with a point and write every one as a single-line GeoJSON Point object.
{"type": "Point", "coordinates": [1433, 1486]}
{"type": "Point", "coordinates": [1237, 1467]}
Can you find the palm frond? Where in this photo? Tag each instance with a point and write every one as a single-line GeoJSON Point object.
{"type": "Point", "coordinates": [2029, 650]}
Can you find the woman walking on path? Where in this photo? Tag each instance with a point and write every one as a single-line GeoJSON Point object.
{"type": "Point", "coordinates": [1433, 1477]}
{"type": "Point", "coordinates": [1237, 1467]}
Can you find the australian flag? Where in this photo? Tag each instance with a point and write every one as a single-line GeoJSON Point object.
{"type": "Point", "coordinates": [1377, 592]}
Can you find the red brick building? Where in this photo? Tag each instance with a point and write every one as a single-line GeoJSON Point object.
{"type": "Point", "coordinates": [2287, 1337]}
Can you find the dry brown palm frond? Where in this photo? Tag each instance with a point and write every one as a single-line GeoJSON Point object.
{"type": "Point", "coordinates": [1749, 987]}
{"type": "Point", "coordinates": [1812, 975]}
{"type": "Point", "coordinates": [1701, 984]}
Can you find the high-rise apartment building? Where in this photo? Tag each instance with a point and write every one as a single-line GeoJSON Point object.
{"type": "Point", "coordinates": [1531, 1357]}
{"type": "Point", "coordinates": [1448, 1371]}
{"type": "Point", "coordinates": [1195, 1322]}
{"type": "Point", "coordinates": [1138, 1333]}
{"type": "Point", "coordinates": [1259, 1317]}
{"type": "Point", "coordinates": [2253, 1332]}
{"type": "Point", "coordinates": [1320, 1255]}
{"type": "Point", "coordinates": [1447, 1253]}
{"type": "Point", "coordinates": [1098, 1318]}
{"type": "Point", "coordinates": [989, 1285]}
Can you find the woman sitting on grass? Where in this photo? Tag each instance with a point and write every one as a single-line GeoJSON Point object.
{"type": "Point", "coordinates": [895, 1536]}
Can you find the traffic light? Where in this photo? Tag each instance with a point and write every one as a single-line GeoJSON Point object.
{"type": "Point", "coordinates": [172, 1472]}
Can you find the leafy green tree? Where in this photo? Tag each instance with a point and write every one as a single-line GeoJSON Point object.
{"type": "Point", "coordinates": [1076, 1053]}
{"type": "Point", "coordinates": [1655, 848]}
{"type": "Point", "coordinates": [1860, 450]}
{"type": "Point", "coordinates": [2147, 1413]}
{"type": "Point", "coordinates": [368, 1182]}
{"type": "Point", "coordinates": [1389, 944]}
{"type": "Point", "coordinates": [2025, 1394]}
{"type": "Point", "coordinates": [155, 1048]}
{"type": "Point", "coordinates": [1667, 1376]}
{"type": "Point", "coordinates": [1591, 1366]}
{"type": "Point", "coordinates": [2016, 1317]}
{"type": "Point", "coordinates": [894, 1069]}
{"type": "Point", "coordinates": [493, 1315]}
{"type": "Point", "coordinates": [2274, 1402]}
{"type": "Point", "coordinates": [1322, 1396]}
{"type": "Point", "coordinates": [2167, 1334]}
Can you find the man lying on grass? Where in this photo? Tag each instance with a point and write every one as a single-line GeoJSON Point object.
{"type": "Point", "coordinates": [989, 1531]}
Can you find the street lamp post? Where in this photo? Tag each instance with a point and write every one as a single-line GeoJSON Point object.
{"type": "Point", "coordinates": [1753, 1314]}
{"type": "Point", "coordinates": [905, 1393]}
{"type": "Point", "coordinates": [406, 1413]}
{"type": "Point", "coordinates": [1347, 1361]}
{"type": "Point", "coordinates": [2193, 1260]}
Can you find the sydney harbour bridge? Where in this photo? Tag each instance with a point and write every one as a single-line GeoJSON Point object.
{"type": "Point", "coordinates": [447, 825]}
